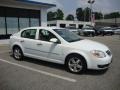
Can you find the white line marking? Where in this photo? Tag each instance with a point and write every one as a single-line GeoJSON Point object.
{"type": "Point", "coordinates": [39, 71]}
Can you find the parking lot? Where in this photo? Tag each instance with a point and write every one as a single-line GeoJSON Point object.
{"type": "Point", "coordinates": [32, 74]}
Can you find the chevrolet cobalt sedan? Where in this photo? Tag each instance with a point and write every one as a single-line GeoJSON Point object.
{"type": "Point", "coordinates": [61, 46]}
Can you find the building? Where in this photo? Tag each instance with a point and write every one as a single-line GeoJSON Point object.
{"type": "Point", "coordinates": [18, 14]}
{"type": "Point", "coordinates": [64, 23]}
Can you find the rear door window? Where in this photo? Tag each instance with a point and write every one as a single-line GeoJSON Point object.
{"type": "Point", "coordinates": [29, 33]}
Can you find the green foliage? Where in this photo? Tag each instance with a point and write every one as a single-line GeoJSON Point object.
{"type": "Point", "coordinates": [57, 15]}
{"type": "Point", "coordinates": [79, 14]}
{"type": "Point", "coordinates": [98, 15]}
{"type": "Point", "coordinates": [70, 17]}
{"type": "Point", "coordinates": [51, 16]}
{"type": "Point", "coordinates": [112, 15]}
{"type": "Point", "coordinates": [83, 14]}
{"type": "Point", "coordinates": [87, 14]}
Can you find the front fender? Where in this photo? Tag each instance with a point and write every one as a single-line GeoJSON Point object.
{"type": "Point", "coordinates": [85, 54]}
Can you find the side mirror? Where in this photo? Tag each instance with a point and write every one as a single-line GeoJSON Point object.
{"type": "Point", "coordinates": [54, 40]}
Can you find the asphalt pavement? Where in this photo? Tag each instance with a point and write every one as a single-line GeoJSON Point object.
{"type": "Point", "coordinates": [32, 74]}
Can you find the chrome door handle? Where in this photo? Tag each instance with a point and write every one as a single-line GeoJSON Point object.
{"type": "Point", "coordinates": [21, 41]}
{"type": "Point", "coordinates": [39, 43]}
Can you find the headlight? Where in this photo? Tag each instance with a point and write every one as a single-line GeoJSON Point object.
{"type": "Point", "coordinates": [98, 53]}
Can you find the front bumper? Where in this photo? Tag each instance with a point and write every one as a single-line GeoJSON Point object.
{"type": "Point", "coordinates": [105, 65]}
{"type": "Point", "coordinates": [100, 63]}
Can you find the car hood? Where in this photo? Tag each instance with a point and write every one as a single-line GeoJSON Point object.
{"type": "Point", "coordinates": [88, 45]}
{"type": "Point", "coordinates": [89, 30]}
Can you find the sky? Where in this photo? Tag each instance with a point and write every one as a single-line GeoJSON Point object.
{"type": "Point", "coordinates": [70, 6]}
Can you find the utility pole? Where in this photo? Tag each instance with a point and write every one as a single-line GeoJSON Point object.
{"type": "Point", "coordinates": [91, 9]}
{"type": "Point", "coordinates": [84, 15]}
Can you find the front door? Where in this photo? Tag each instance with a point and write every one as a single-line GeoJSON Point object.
{"type": "Point", "coordinates": [46, 48]}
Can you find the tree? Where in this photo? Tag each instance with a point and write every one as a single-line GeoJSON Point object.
{"type": "Point", "coordinates": [80, 14]}
{"type": "Point", "coordinates": [59, 14]}
{"type": "Point", "coordinates": [70, 17]}
{"type": "Point", "coordinates": [112, 15]}
{"type": "Point", "coordinates": [51, 16]}
{"type": "Point", "coordinates": [87, 14]}
{"type": "Point", "coordinates": [98, 15]}
{"type": "Point", "coordinates": [83, 14]}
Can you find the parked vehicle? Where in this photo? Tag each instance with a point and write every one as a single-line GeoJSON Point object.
{"type": "Point", "coordinates": [97, 30]}
{"type": "Point", "coordinates": [73, 29]}
{"type": "Point", "coordinates": [87, 32]}
{"type": "Point", "coordinates": [60, 46]}
{"type": "Point", "coordinates": [106, 31]}
{"type": "Point", "coordinates": [117, 31]}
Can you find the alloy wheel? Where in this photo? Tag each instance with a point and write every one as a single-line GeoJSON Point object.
{"type": "Point", "coordinates": [75, 64]}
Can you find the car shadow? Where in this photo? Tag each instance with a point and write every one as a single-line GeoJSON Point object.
{"type": "Point", "coordinates": [95, 72]}
{"type": "Point", "coordinates": [62, 67]}
{"type": "Point", "coordinates": [44, 63]}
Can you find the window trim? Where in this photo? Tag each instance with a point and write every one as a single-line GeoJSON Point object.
{"type": "Point", "coordinates": [59, 42]}
{"type": "Point", "coordinates": [26, 30]}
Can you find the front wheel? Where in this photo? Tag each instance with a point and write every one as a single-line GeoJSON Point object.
{"type": "Point", "coordinates": [76, 64]}
{"type": "Point", "coordinates": [17, 53]}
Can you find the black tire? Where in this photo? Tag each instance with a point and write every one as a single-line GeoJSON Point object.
{"type": "Point", "coordinates": [111, 34]}
{"type": "Point", "coordinates": [90, 34]}
{"type": "Point", "coordinates": [93, 34]}
{"type": "Point", "coordinates": [103, 34]}
{"type": "Point", "coordinates": [17, 53]}
{"type": "Point", "coordinates": [84, 34]}
{"type": "Point", "coordinates": [80, 61]}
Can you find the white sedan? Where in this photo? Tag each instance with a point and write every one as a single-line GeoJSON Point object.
{"type": "Point", "coordinates": [60, 46]}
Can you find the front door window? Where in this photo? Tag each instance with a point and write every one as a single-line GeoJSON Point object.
{"type": "Point", "coordinates": [45, 35]}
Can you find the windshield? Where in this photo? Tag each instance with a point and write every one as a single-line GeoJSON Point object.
{"type": "Point", "coordinates": [67, 35]}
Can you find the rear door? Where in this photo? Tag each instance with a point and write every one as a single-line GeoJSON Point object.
{"type": "Point", "coordinates": [28, 41]}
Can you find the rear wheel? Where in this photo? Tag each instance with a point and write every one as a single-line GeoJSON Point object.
{"type": "Point", "coordinates": [92, 34]}
{"type": "Point", "coordinates": [76, 64]}
{"type": "Point", "coordinates": [103, 34]}
{"type": "Point", "coordinates": [17, 53]}
{"type": "Point", "coordinates": [111, 33]}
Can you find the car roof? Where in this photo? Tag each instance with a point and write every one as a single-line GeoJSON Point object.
{"type": "Point", "coordinates": [42, 28]}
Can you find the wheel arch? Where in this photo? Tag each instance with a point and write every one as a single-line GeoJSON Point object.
{"type": "Point", "coordinates": [17, 45]}
{"type": "Point", "coordinates": [81, 55]}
